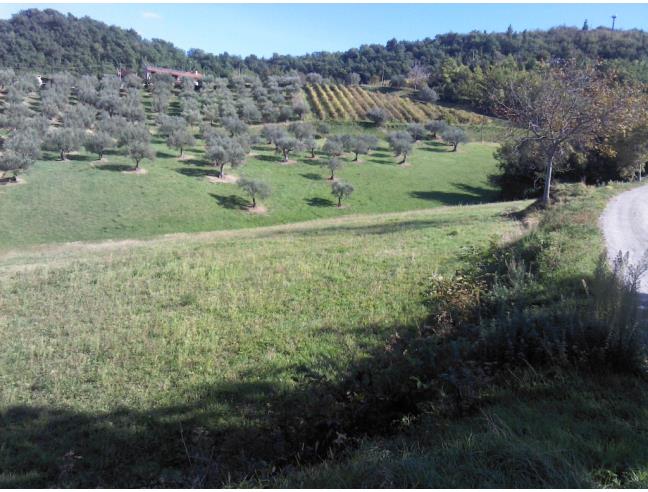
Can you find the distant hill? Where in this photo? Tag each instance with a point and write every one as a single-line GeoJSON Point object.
{"type": "Point", "coordinates": [50, 41]}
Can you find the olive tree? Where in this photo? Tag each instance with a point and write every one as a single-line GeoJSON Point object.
{"type": "Point", "coordinates": [333, 147]}
{"type": "Point", "coordinates": [358, 145]}
{"type": "Point", "coordinates": [21, 149]}
{"type": "Point", "coordinates": [340, 190]}
{"type": "Point", "coordinates": [169, 124]}
{"type": "Point", "coordinates": [416, 131]}
{"type": "Point", "coordinates": [454, 136]}
{"type": "Point", "coordinates": [160, 101]}
{"type": "Point", "coordinates": [63, 140]}
{"type": "Point", "coordinates": [287, 145]}
{"type": "Point", "coordinates": [139, 150]}
{"type": "Point", "coordinates": [180, 138]}
{"type": "Point", "coordinates": [98, 142]}
{"type": "Point", "coordinates": [224, 150]}
{"type": "Point", "coordinates": [309, 143]}
{"type": "Point", "coordinates": [400, 143]}
{"type": "Point", "coordinates": [301, 130]}
{"type": "Point", "coordinates": [427, 94]}
{"type": "Point", "coordinates": [436, 127]}
{"type": "Point", "coordinates": [272, 133]}
{"type": "Point", "coordinates": [314, 78]}
{"type": "Point", "coordinates": [299, 107]}
{"type": "Point", "coordinates": [333, 164]}
{"type": "Point", "coordinates": [378, 116]}
{"type": "Point", "coordinates": [353, 78]}
{"type": "Point", "coordinates": [234, 125]}
{"type": "Point", "coordinates": [255, 189]}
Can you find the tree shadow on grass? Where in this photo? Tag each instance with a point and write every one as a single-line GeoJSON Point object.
{"type": "Point", "coordinates": [165, 155]}
{"type": "Point", "coordinates": [112, 152]}
{"type": "Point", "coordinates": [435, 146]}
{"type": "Point", "coordinates": [196, 172]}
{"type": "Point", "coordinates": [312, 176]}
{"type": "Point", "coordinates": [319, 202]}
{"type": "Point", "coordinates": [474, 195]}
{"type": "Point", "coordinates": [268, 158]}
{"type": "Point", "coordinates": [231, 202]}
{"type": "Point", "coordinates": [198, 162]}
{"type": "Point", "coordinates": [80, 157]}
{"type": "Point", "coordinates": [379, 154]}
{"type": "Point", "coordinates": [383, 162]}
{"type": "Point", "coordinates": [114, 167]}
{"type": "Point", "coordinates": [196, 442]}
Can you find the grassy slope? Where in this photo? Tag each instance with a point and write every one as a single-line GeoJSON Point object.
{"type": "Point", "coordinates": [79, 200]}
{"type": "Point", "coordinates": [543, 430]}
{"type": "Point", "coordinates": [107, 348]}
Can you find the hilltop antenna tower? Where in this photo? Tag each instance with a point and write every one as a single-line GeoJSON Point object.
{"type": "Point", "coordinates": [613, 21]}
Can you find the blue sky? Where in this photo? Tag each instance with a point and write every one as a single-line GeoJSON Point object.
{"type": "Point", "coordinates": [263, 29]}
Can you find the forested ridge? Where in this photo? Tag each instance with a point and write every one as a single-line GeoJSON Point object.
{"type": "Point", "coordinates": [50, 41]}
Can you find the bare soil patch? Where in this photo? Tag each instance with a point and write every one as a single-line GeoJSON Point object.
{"type": "Point", "coordinates": [259, 209]}
{"type": "Point", "coordinates": [227, 179]}
{"type": "Point", "coordinates": [140, 170]}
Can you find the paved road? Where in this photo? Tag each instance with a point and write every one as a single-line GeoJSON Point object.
{"type": "Point", "coordinates": [625, 227]}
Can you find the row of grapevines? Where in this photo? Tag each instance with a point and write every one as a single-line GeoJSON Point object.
{"type": "Point", "coordinates": [339, 110]}
{"type": "Point", "coordinates": [344, 102]}
{"type": "Point", "coordinates": [358, 104]}
{"type": "Point", "coordinates": [326, 104]}
{"type": "Point", "coordinates": [315, 103]}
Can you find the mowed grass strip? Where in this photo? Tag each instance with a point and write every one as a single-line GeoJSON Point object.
{"type": "Point", "coordinates": [106, 352]}
{"type": "Point", "coordinates": [81, 199]}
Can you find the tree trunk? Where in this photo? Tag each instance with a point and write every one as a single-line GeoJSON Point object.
{"type": "Point", "coordinates": [355, 159]}
{"type": "Point", "coordinates": [404, 159]}
{"type": "Point", "coordinates": [313, 153]}
{"type": "Point", "coordinates": [101, 155]}
{"type": "Point", "coordinates": [332, 177]}
{"type": "Point", "coordinates": [221, 173]}
{"type": "Point", "coordinates": [137, 161]}
{"type": "Point", "coordinates": [285, 154]}
{"type": "Point", "coordinates": [454, 147]}
{"type": "Point", "coordinates": [62, 155]}
{"type": "Point", "coordinates": [253, 202]}
{"type": "Point", "coordinates": [547, 184]}
{"type": "Point", "coordinates": [181, 150]}
{"type": "Point", "coordinates": [339, 202]}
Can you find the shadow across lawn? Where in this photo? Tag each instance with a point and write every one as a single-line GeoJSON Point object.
{"type": "Point", "coordinates": [231, 202]}
{"type": "Point", "coordinates": [312, 176]}
{"type": "Point", "coordinates": [268, 158]}
{"type": "Point", "coordinates": [319, 202]}
{"type": "Point", "coordinates": [114, 167]}
{"type": "Point", "coordinates": [81, 157]}
{"type": "Point", "coordinates": [434, 146]}
{"type": "Point", "coordinates": [165, 155]}
{"type": "Point", "coordinates": [466, 194]}
{"type": "Point", "coordinates": [197, 172]}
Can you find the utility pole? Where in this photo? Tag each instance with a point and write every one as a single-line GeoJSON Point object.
{"type": "Point", "coordinates": [613, 21]}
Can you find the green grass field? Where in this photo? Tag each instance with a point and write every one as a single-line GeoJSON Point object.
{"type": "Point", "coordinates": [554, 427]}
{"type": "Point", "coordinates": [108, 348]}
{"type": "Point", "coordinates": [85, 200]}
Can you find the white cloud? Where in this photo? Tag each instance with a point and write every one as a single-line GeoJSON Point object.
{"type": "Point", "coordinates": [151, 15]}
